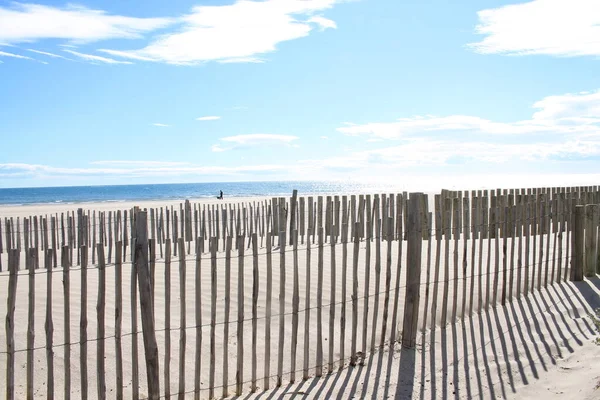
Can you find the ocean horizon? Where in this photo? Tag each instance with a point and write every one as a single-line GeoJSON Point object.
{"type": "Point", "coordinates": [174, 191]}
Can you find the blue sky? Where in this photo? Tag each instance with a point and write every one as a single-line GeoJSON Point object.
{"type": "Point", "coordinates": [479, 92]}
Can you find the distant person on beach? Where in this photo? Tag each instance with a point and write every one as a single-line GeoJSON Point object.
{"type": "Point", "coordinates": [220, 196]}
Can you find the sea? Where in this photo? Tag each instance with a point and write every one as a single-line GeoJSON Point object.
{"type": "Point", "coordinates": [118, 193]}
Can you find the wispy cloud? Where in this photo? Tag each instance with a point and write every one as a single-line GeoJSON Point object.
{"type": "Point", "coordinates": [19, 56]}
{"type": "Point", "coordinates": [551, 27]}
{"type": "Point", "coordinates": [208, 118]}
{"type": "Point", "coordinates": [140, 163]}
{"type": "Point", "coordinates": [161, 125]}
{"type": "Point", "coordinates": [238, 32]}
{"type": "Point", "coordinates": [324, 137]}
{"type": "Point", "coordinates": [565, 114]}
{"type": "Point", "coordinates": [130, 169]}
{"type": "Point", "coordinates": [45, 53]}
{"type": "Point", "coordinates": [94, 58]}
{"type": "Point", "coordinates": [30, 22]}
{"type": "Point", "coordinates": [257, 139]}
{"type": "Point", "coordinates": [13, 55]}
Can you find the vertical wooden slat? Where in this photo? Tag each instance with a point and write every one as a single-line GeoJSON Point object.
{"type": "Point", "coordinates": [302, 228]}
{"type": "Point", "coordinates": [226, 316]}
{"type": "Point", "coordinates": [268, 312]}
{"type": "Point", "coordinates": [438, 247]}
{"type": "Point", "coordinates": [388, 277]}
{"type": "Point", "coordinates": [590, 243]}
{"type": "Point", "coordinates": [520, 217]}
{"type": "Point", "coordinates": [100, 308]}
{"type": "Point", "coordinates": [377, 223]}
{"type": "Point", "coordinates": [534, 231]}
{"type": "Point", "coordinates": [146, 305]}
{"type": "Point", "coordinates": [466, 208]}
{"type": "Point", "coordinates": [125, 235]}
{"type": "Point", "coordinates": [555, 218]}
{"type": "Point", "coordinates": [578, 244]}
{"type": "Point", "coordinates": [198, 318]}
{"type": "Point", "coordinates": [110, 236]}
{"type": "Point", "coordinates": [428, 216]}
{"type": "Point", "coordinates": [307, 337]}
{"type": "Point", "coordinates": [54, 241]}
{"type": "Point", "coordinates": [1, 247]}
{"type": "Point", "coordinates": [398, 228]}
{"type": "Point", "coordinates": [281, 302]}
{"type": "Point", "coordinates": [542, 228]}
{"type": "Point", "coordinates": [368, 239]}
{"type": "Point", "coordinates": [455, 234]}
{"type": "Point", "coordinates": [255, 284]}
{"type": "Point", "coordinates": [332, 298]}
{"type": "Point", "coordinates": [182, 315]}
{"type": "Point", "coordinates": [413, 271]}
{"type": "Point", "coordinates": [504, 225]}
{"type": "Point", "coordinates": [83, 322]}
{"type": "Point", "coordinates": [135, 379]}
{"type": "Point", "coordinates": [293, 206]}
{"type": "Point", "coordinates": [214, 244]}
{"type": "Point", "coordinates": [512, 224]}
{"type": "Point", "coordinates": [49, 325]}
{"type": "Point", "coordinates": [167, 374]}
{"type": "Point", "coordinates": [447, 210]}
{"type": "Point", "coordinates": [353, 354]}
{"type": "Point", "coordinates": [319, 360]}
{"type": "Point", "coordinates": [561, 229]}
{"type": "Point", "coordinates": [527, 226]}
{"type": "Point", "coordinates": [13, 266]}
{"type": "Point", "coordinates": [31, 255]}
{"type": "Point", "coordinates": [239, 375]}
{"type": "Point", "coordinates": [67, 319]}
{"type": "Point", "coordinates": [295, 307]}
{"type": "Point", "coordinates": [119, 318]}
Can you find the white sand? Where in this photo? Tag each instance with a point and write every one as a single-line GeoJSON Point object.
{"type": "Point", "coordinates": [493, 369]}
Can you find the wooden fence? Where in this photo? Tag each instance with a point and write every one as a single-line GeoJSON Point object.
{"type": "Point", "coordinates": [475, 250]}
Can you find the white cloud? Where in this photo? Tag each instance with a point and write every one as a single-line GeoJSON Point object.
{"type": "Point", "coordinates": [251, 60]}
{"type": "Point", "coordinates": [130, 169]}
{"type": "Point", "coordinates": [31, 22]}
{"type": "Point", "coordinates": [565, 114]}
{"type": "Point", "coordinates": [94, 58]}
{"type": "Point", "coordinates": [233, 33]}
{"type": "Point", "coordinates": [563, 127]}
{"type": "Point", "coordinates": [12, 55]}
{"type": "Point", "coordinates": [161, 125]}
{"type": "Point", "coordinates": [140, 163]}
{"type": "Point", "coordinates": [48, 54]}
{"type": "Point", "coordinates": [208, 118]}
{"type": "Point", "coordinates": [550, 27]}
{"type": "Point", "coordinates": [257, 139]}
{"type": "Point", "coordinates": [324, 137]}
{"type": "Point", "coordinates": [323, 23]}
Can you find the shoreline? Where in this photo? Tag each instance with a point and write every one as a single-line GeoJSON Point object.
{"type": "Point", "coordinates": [26, 210]}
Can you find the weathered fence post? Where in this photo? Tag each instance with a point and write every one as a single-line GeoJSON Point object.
{"type": "Point", "coordinates": [144, 281]}
{"type": "Point", "coordinates": [13, 266]}
{"type": "Point", "coordinates": [578, 235]}
{"type": "Point", "coordinates": [413, 271]}
{"type": "Point", "coordinates": [591, 211]}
